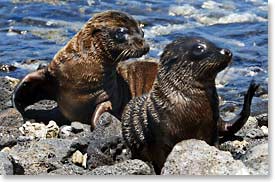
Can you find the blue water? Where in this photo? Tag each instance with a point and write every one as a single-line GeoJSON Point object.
{"type": "Point", "coordinates": [37, 29]}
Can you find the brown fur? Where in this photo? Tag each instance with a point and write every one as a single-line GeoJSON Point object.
{"type": "Point", "coordinates": [82, 75]}
{"type": "Point", "coordinates": [182, 104]}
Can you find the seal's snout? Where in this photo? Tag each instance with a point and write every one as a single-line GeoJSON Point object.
{"type": "Point", "coordinates": [226, 52]}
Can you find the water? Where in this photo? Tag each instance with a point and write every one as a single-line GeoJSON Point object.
{"type": "Point", "coordinates": [37, 29]}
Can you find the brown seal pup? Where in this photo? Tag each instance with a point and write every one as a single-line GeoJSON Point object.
{"type": "Point", "coordinates": [82, 76]}
{"type": "Point", "coordinates": [183, 102]}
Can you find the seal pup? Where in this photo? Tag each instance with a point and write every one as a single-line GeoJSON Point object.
{"type": "Point", "coordinates": [82, 76]}
{"type": "Point", "coordinates": [183, 102]}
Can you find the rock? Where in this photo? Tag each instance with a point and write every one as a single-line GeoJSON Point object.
{"type": "Point", "coordinates": [195, 157]}
{"type": "Point", "coordinates": [40, 130]}
{"type": "Point", "coordinates": [256, 159]}
{"type": "Point", "coordinates": [79, 158]}
{"type": "Point", "coordinates": [262, 119]}
{"type": "Point", "coordinates": [107, 151]}
{"type": "Point", "coordinates": [250, 124]}
{"type": "Point", "coordinates": [67, 170]}
{"type": "Point", "coordinates": [236, 148]}
{"type": "Point", "coordinates": [105, 145]}
{"type": "Point", "coordinates": [129, 167]}
{"type": "Point", "coordinates": [11, 118]}
{"type": "Point", "coordinates": [107, 126]}
{"type": "Point", "coordinates": [7, 67]}
{"type": "Point", "coordinates": [255, 133]}
{"type": "Point", "coordinates": [6, 150]}
{"type": "Point", "coordinates": [7, 85]}
{"type": "Point", "coordinates": [52, 130]}
{"type": "Point", "coordinates": [10, 121]}
{"type": "Point", "coordinates": [265, 130]}
{"type": "Point", "coordinates": [65, 131]}
{"type": "Point", "coordinates": [6, 166]}
{"type": "Point", "coordinates": [8, 136]}
{"type": "Point", "coordinates": [41, 157]}
{"type": "Point", "coordinates": [76, 127]}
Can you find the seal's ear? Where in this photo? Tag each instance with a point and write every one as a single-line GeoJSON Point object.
{"type": "Point", "coordinates": [32, 88]}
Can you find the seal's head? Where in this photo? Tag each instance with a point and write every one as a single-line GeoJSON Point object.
{"type": "Point", "coordinates": [118, 35]}
{"type": "Point", "coordinates": [194, 59]}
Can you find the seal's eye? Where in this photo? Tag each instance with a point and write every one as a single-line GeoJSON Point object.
{"type": "Point", "coordinates": [199, 49]}
{"type": "Point", "coordinates": [121, 34]}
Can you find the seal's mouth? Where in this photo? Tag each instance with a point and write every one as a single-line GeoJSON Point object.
{"type": "Point", "coordinates": [132, 53]}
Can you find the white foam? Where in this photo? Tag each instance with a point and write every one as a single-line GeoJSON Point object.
{"type": "Point", "coordinates": [167, 29]}
{"type": "Point", "coordinates": [231, 18]}
{"type": "Point", "coordinates": [211, 5]}
{"type": "Point", "coordinates": [182, 10]}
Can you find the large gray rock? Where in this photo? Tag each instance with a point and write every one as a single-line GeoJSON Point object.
{"type": "Point", "coordinates": [7, 85]}
{"type": "Point", "coordinates": [129, 167]}
{"type": "Point", "coordinates": [195, 157]}
{"type": "Point", "coordinates": [10, 121]}
{"type": "Point", "coordinates": [6, 166]}
{"type": "Point", "coordinates": [105, 145]}
{"type": "Point", "coordinates": [40, 157]}
{"type": "Point", "coordinates": [11, 118]}
{"type": "Point", "coordinates": [256, 159]}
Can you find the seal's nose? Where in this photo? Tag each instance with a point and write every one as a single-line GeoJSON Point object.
{"type": "Point", "coordinates": [226, 52]}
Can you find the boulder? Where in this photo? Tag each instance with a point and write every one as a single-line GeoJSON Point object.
{"type": "Point", "coordinates": [105, 145]}
{"type": "Point", "coordinates": [40, 157]}
{"type": "Point", "coordinates": [196, 157]}
{"type": "Point", "coordinates": [6, 166]}
{"type": "Point", "coordinates": [128, 167]}
{"type": "Point", "coordinates": [256, 159]}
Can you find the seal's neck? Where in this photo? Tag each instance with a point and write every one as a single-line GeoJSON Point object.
{"type": "Point", "coordinates": [177, 90]}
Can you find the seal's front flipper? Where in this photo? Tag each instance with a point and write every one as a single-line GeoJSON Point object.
{"type": "Point", "coordinates": [33, 87]}
{"type": "Point", "coordinates": [101, 108]}
{"type": "Point", "coordinates": [229, 128]}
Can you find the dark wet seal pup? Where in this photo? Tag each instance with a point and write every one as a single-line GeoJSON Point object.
{"type": "Point", "coordinates": [183, 102]}
{"type": "Point", "coordinates": [82, 76]}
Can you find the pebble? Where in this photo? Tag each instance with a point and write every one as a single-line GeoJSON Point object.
{"type": "Point", "coordinates": [77, 127]}
{"type": "Point", "coordinates": [265, 130]}
{"type": "Point", "coordinates": [80, 159]}
{"type": "Point", "coordinates": [65, 131]}
{"type": "Point", "coordinates": [40, 130]}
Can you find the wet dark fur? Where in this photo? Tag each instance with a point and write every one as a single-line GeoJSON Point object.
{"type": "Point", "coordinates": [182, 104]}
{"type": "Point", "coordinates": [82, 75]}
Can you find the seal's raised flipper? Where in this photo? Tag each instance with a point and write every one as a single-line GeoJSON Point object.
{"type": "Point", "coordinates": [139, 75]}
{"type": "Point", "coordinates": [229, 128]}
{"type": "Point", "coordinates": [33, 87]}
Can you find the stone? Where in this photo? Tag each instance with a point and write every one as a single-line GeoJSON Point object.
{"type": "Point", "coordinates": [105, 145]}
{"type": "Point", "coordinates": [128, 167]}
{"type": "Point", "coordinates": [262, 119]}
{"type": "Point", "coordinates": [40, 130]}
{"type": "Point", "coordinates": [11, 118]}
{"type": "Point", "coordinates": [265, 130]}
{"type": "Point", "coordinates": [256, 159]}
{"type": "Point", "coordinates": [7, 85]}
{"type": "Point", "coordinates": [8, 136]}
{"type": "Point", "coordinates": [76, 127]}
{"type": "Point", "coordinates": [6, 150]}
{"type": "Point", "coordinates": [77, 157]}
{"type": "Point", "coordinates": [196, 157]}
{"type": "Point", "coordinates": [65, 131]}
{"type": "Point", "coordinates": [6, 166]}
{"type": "Point", "coordinates": [41, 157]}
{"type": "Point", "coordinates": [236, 148]}
{"type": "Point", "coordinates": [250, 124]}
{"type": "Point", "coordinates": [255, 133]}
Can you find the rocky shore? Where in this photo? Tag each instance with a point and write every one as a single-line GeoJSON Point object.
{"type": "Point", "coordinates": [33, 148]}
